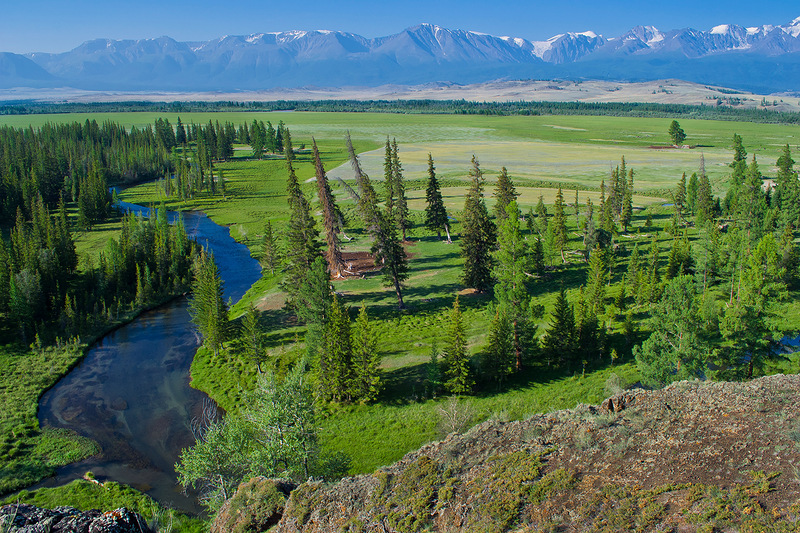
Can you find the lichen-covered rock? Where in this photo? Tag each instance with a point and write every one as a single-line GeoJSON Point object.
{"type": "Point", "coordinates": [24, 518]}
{"type": "Point", "coordinates": [257, 505]}
{"type": "Point", "coordinates": [692, 456]}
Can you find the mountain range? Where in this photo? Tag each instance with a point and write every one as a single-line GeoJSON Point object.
{"type": "Point", "coordinates": [762, 59]}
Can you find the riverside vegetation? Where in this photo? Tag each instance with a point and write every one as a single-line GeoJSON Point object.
{"type": "Point", "coordinates": [563, 289]}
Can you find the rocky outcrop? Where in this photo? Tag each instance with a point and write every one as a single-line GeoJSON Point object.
{"type": "Point", "coordinates": [24, 518]}
{"type": "Point", "coordinates": [257, 505]}
{"type": "Point", "coordinates": [693, 456]}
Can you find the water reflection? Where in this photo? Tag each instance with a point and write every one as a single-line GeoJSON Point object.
{"type": "Point", "coordinates": [131, 393]}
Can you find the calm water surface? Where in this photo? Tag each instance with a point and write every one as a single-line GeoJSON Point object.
{"type": "Point", "coordinates": [131, 393]}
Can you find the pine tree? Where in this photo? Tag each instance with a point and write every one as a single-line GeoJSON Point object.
{"type": "Point", "coordinates": [313, 302]}
{"type": "Point", "coordinates": [478, 235]}
{"type": "Point", "coordinates": [653, 276]}
{"type": "Point", "coordinates": [388, 180]}
{"type": "Point", "coordinates": [401, 213]}
{"type": "Point", "coordinates": [257, 141]}
{"type": "Point", "coordinates": [537, 257]}
{"type": "Point", "coordinates": [787, 194]}
{"type": "Point", "coordinates": [504, 194]}
{"type": "Point", "coordinates": [560, 340]}
{"type": "Point", "coordinates": [752, 205]}
{"type": "Point", "coordinates": [435, 212]}
{"type": "Point", "coordinates": [333, 253]}
{"type": "Point", "coordinates": [367, 201]}
{"type": "Point", "coordinates": [270, 255]}
{"type": "Point", "coordinates": [499, 357]}
{"type": "Point", "coordinates": [738, 171]}
{"type": "Point", "coordinates": [597, 278]}
{"type": "Point", "coordinates": [627, 203]}
{"type": "Point", "coordinates": [389, 254]}
{"type": "Point", "coordinates": [560, 225]}
{"type": "Point", "coordinates": [676, 133]}
{"type": "Point", "coordinates": [366, 360]}
{"type": "Point", "coordinates": [335, 359]}
{"type": "Point", "coordinates": [679, 198]}
{"type": "Point", "coordinates": [301, 235]}
{"type": "Point", "coordinates": [676, 349]}
{"type": "Point", "coordinates": [180, 134]}
{"type": "Point", "coordinates": [455, 358]}
{"type": "Point", "coordinates": [691, 192]}
{"type": "Point", "coordinates": [705, 199]}
{"type": "Point", "coordinates": [207, 305]}
{"type": "Point", "coordinates": [251, 337]}
{"type": "Point", "coordinates": [510, 268]}
{"type": "Point", "coordinates": [541, 216]}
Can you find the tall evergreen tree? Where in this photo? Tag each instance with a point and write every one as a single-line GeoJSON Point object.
{"type": "Point", "coordinates": [676, 349]}
{"type": "Point", "coordinates": [499, 357]}
{"type": "Point", "coordinates": [560, 225]}
{"type": "Point", "coordinates": [691, 193]}
{"type": "Point", "coordinates": [679, 198]}
{"type": "Point", "coordinates": [676, 133]}
{"type": "Point", "coordinates": [388, 180]}
{"type": "Point", "coordinates": [366, 360]}
{"type": "Point", "coordinates": [510, 269]}
{"type": "Point", "coordinates": [251, 336]}
{"type": "Point", "coordinates": [401, 213]}
{"type": "Point", "coordinates": [207, 305]}
{"type": "Point", "coordinates": [435, 212]}
{"type": "Point", "coordinates": [271, 253]}
{"type": "Point", "coordinates": [478, 235]}
{"type": "Point", "coordinates": [367, 200]}
{"type": "Point", "coordinates": [560, 340]}
{"type": "Point", "coordinates": [627, 203]}
{"type": "Point", "coordinates": [302, 238]}
{"type": "Point", "coordinates": [455, 359]}
{"type": "Point", "coordinates": [313, 303]}
{"type": "Point", "coordinates": [389, 253]}
{"type": "Point", "coordinates": [335, 359]}
{"type": "Point", "coordinates": [787, 193]}
{"type": "Point", "coordinates": [504, 194]}
{"type": "Point", "coordinates": [541, 215]}
{"type": "Point", "coordinates": [333, 253]}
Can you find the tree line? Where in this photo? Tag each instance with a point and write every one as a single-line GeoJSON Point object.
{"type": "Point", "coordinates": [629, 109]}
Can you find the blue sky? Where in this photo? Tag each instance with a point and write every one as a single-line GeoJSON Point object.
{"type": "Point", "coordinates": [59, 25]}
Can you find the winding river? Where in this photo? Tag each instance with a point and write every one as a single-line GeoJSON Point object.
{"type": "Point", "coordinates": [131, 393]}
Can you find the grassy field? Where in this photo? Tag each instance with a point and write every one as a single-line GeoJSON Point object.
{"type": "Point", "coordinates": [573, 151]}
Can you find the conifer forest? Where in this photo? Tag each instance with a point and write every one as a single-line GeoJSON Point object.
{"type": "Point", "coordinates": [422, 270]}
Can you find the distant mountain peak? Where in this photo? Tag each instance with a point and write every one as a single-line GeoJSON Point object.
{"type": "Point", "coordinates": [425, 53]}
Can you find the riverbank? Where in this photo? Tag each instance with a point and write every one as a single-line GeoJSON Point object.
{"type": "Point", "coordinates": [31, 453]}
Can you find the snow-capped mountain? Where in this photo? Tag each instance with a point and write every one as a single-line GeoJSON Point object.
{"type": "Point", "coordinates": [765, 58]}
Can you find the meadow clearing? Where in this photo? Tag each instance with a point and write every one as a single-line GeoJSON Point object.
{"type": "Point", "coordinates": [540, 152]}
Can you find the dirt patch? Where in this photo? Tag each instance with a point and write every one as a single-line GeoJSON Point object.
{"type": "Point", "coordinates": [271, 302]}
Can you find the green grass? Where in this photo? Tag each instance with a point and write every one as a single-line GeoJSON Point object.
{"type": "Point", "coordinates": [387, 431]}
{"type": "Point", "coordinates": [540, 152]}
{"type": "Point", "coordinates": [571, 149]}
{"type": "Point", "coordinates": [27, 453]}
{"type": "Point", "coordinates": [85, 495]}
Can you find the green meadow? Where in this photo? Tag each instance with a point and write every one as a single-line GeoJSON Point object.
{"type": "Point", "coordinates": [541, 154]}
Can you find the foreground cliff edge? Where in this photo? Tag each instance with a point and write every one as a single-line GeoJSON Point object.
{"type": "Point", "coordinates": [693, 456]}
